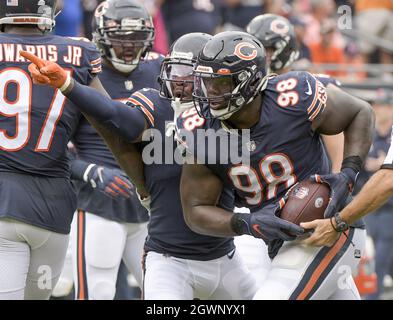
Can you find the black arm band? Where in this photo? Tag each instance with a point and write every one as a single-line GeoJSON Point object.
{"type": "Point", "coordinates": [238, 223]}
{"type": "Point", "coordinates": [354, 162]}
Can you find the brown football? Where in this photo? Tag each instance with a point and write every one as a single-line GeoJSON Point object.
{"type": "Point", "coordinates": [306, 202]}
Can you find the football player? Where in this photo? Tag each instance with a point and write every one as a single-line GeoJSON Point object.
{"type": "Point", "coordinates": [278, 37]}
{"type": "Point", "coordinates": [284, 116]}
{"type": "Point", "coordinates": [111, 224]}
{"type": "Point", "coordinates": [36, 123]}
{"type": "Point", "coordinates": [279, 40]}
{"type": "Point", "coordinates": [178, 263]}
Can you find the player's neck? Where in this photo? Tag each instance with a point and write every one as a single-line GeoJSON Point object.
{"type": "Point", "coordinates": [22, 30]}
{"type": "Point", "coordinates": [248, 116]}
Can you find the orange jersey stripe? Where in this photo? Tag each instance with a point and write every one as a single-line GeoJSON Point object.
{"type": "Point", "coordinates": [143, 109]}
{"type": "Point", "coordinates": [316, 112]}
{"type": "Point", "coordinates": [145, 99]}
{"type": "Point", "coordinates": [81, 280]}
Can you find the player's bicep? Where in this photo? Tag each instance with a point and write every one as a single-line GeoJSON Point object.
{"type": "Point", "coordinates": [341, 108]}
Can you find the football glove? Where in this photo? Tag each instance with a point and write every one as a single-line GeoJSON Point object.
{"type": "Point", "coordinates": [341, 185]}
{"type": "Point", "coordinates": [46, 72]}
{"type": "Point", "coordinates": [112, 182]}
{"type": "Point", "coordinates": [265, 224]}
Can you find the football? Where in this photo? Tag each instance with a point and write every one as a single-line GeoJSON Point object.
{"type": "Point", "coordinates": [306, 202]}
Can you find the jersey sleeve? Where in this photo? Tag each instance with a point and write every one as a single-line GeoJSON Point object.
{"type": "Point", "coordinates": [309, 92]}
{"type": "Point", "coordinates": [388, 162]}
{"type": "Point", "coordinates": [91, 61]}
{"type": "Point", "coordinates": [145, 101]}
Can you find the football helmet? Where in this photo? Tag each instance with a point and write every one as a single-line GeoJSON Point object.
{"type": "Point", "coordinates": [229, 73]}
{"type": "Point", "coordinates": [276, 34]}
{"type": "Point", "coordinates": [123, 30]}
{"type": "Point", "coordinates": [176, 77]}
{"type": "Point", "coordinates": [26, 12]}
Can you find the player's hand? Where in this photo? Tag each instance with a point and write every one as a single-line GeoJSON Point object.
{"type": "Point", "coordinates": [45, 72]}
{"type": "Point", "coordinates": [113, 182]}
{"type": "Point", "coordinates": [265, 224]}
{"type": "Point", "coordinates": [341, 185]}
{"type": "Point", "coordinates": [323, 233]}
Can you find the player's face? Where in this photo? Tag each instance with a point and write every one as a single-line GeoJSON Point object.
{"type": "Point", "coordinates": [217, 89]}
{"type": "Point", "coordinates": [181, 81]}
{"type": "Point", "coordinates": [128, 46]}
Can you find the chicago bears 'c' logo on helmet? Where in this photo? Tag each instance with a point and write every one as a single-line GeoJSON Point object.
{"type": "Point", "coordinates": [277, 36]}
{"type": "Point", "coordinates": [279, 26]}
{"type": "Point", "coordinates": [229, 73]}
{"type": "Point", "coordinates": [246, 51]}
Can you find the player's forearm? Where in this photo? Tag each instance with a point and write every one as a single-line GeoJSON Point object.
{"type": "Point", "coordinates": [130, 160]}
{"type": "Point", "coordinates": [127, 122]}
{"type": "Point", "coordinates": [373, 195]}
{"type": "Point", "coordinates": [210, 221]}
{"type": "Point", "coordinates": [335, 149]}
{"type": "Point", "coordinates": [358, 135]}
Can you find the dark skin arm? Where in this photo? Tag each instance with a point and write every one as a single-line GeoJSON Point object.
{"type": "Point", "coordinates": [126, 154]}
{"type": "Point", "coordinates": [348, 114]}
{"type": "Point", "coordinates": [199, 207]}
{"type": "Point", "coordinates": [356, 118]}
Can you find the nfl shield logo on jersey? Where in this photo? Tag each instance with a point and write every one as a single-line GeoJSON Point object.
{"type": "Point", "coordinates": [12, 3]}
{"type": "Point", "coordinates": [129, 85]}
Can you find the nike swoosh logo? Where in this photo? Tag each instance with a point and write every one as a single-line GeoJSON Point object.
{"type": "Point", "coordinates": [257, 229]}
{"type": "Point", "coordinates": [309, 91]}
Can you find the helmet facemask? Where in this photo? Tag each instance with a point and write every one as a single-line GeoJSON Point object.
{"type": "Point", "coordinates": [126, 44]}
{"type": "Point", "coordinates": [219, 95]}
{"type": "Point", "coordinates": [177, 80]}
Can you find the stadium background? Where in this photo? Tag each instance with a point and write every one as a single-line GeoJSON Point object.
{"type": "Point", "coordinates": [351, 40]}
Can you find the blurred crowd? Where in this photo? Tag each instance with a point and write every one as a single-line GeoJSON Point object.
{"type": "Point", "coordinates": [340, 38]}
{"type": "Point", "coordinates": [332, 34]}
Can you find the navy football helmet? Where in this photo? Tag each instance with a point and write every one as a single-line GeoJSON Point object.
{"type": "Point", "coordinates": [27, 12]}
{"type": "Point", "coordinates": [230, 72]}
{"type": "Point", "coordinates": [124, 32]}
{"type": "Point", "coordinates": [176, 76]}
{"type": "Point", "coordinates": [278, 35]}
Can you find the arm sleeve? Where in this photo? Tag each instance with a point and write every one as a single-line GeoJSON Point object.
{"type": "Point", "coordinates": [124, 119]}
{"type": "Point", "coordinates": [78, 169]}
{"type": "Point", "coordinates": [313, 94]}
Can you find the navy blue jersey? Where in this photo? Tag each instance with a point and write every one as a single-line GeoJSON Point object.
{"type": "Point", "coordinates": [36, 123]}
{"type": "Point", "coordinates": [92, 148]}
{"type": "Point", "coordinates": [168, 232]}
{"type": "Point", "coordinates": [282, 148]}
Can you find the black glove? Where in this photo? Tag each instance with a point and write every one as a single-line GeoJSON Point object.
{"type": "Point", "coordinates": [113, 182]}
{"type": "Point", "coordinates": [265, 224]}
{"type": "Point", "coordinates": [341, 185]}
